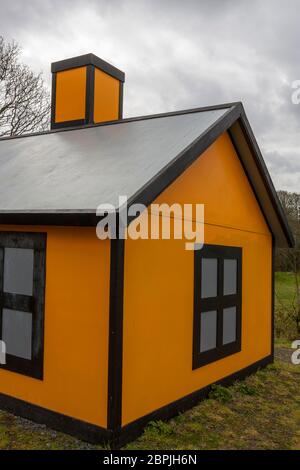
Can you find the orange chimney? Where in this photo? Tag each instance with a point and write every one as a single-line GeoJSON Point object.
{"type": "Point", "coordinates": [85, 90]}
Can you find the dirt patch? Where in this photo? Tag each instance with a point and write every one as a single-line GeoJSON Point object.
{"type": "Point", "coordinates": [283, 354]}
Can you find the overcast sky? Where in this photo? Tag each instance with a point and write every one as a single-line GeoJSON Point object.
{"type": "Point", "coordinates": [181, 54]}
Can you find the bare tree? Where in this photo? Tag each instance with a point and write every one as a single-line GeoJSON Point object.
{"type": "Point", "coordinates": [24, 99]}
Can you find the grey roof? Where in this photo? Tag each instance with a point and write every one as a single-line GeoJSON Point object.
{"type": "Point", "coordinates": [60, 177]}
{"type": "Point", "coordinates": [77, 170]}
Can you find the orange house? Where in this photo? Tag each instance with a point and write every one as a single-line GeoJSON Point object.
{"type": "Point", "coordinates": [103, 335]}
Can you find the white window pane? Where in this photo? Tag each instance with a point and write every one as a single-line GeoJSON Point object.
{"type": "Point", "coordinates": [18, 271]}
{"type": "Point", "coordinates": [17, 332]}
{"type": "Point", "coordinates": [229, 325]}
{"type": "Point", "coordinates": [208, 338]}
{"type": "Point", "coordinates": [209, 277]}
{"type": "Point", "coordinates": [230, 276]}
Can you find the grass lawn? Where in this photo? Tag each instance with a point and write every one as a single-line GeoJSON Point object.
{"type": "Point", "coordinates": [261, 412]}
{"type": "Point", "coordinates": [285, 288]}
{"type": "Point", "coordinates": [285, 300]}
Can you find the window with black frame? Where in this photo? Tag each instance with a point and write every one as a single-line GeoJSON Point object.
{"type": "Point", "coordinates": [22, 287]}
{"type": "Point", "coordinates": [217, 303]}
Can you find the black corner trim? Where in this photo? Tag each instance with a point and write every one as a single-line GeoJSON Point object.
{"type": "Point", "coordinates": [134, 429]}
{"type": "Point", "coordinates": [60, 422]}
{"type": "Point", "coordinates": [53, 101]}
{"type": "Point", "coordinates": [90, 92]}
{"type": "Point", "coordinates": [273, 298]}
{"type": "Point", "coordinates": [114, 411]}
{"type": "Point", "coordinates": [121, 97]}
{"type": "Point", "coordinates": [88, 59]}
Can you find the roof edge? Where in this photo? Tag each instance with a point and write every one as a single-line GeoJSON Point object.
{"type": "Point", "coordinates": [57, 218]}
{"type": "Point", "coordinates": [126, 120]}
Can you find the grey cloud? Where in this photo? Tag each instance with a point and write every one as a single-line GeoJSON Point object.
{"type": "Point", "coordinates": [285, 168]}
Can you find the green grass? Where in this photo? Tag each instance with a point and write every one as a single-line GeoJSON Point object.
{"type": "Point", "coordinates": [285, 288]}
{"type": "Point", "coordinates": [283, 343]}
{"type": "Point", "coordinates": [285, 301]}
{"type": "Point", "coordinates": [261, 412]}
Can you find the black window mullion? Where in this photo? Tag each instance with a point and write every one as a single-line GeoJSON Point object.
{"type": "Point", "coordinates": [208, 304]}
{"type": "Point", "coordinates": [229, 300]}
{"type": "Point", "coordinates": [23, 303]}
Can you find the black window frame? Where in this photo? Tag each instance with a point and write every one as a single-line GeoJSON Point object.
{"type": "Point", "coordinates": [31, 304]}
{"type": "Point", "coordinates": [217, 303]}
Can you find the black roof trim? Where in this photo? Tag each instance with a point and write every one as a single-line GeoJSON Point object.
{"type": "Point", "coordinates": [57, 218]}
{"type": "Point", "coordinates": [88, 59]}
{"type": "Point", "coordinates": [125, 120]}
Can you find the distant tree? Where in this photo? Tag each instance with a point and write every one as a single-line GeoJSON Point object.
{"type": "Point", "coordinates": [288, 259]}
{"type": "Point", "coordinates": [24, 99]}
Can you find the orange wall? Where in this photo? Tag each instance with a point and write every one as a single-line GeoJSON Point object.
{"type": "Point", "coordinates": [70, 94]}
{"type": "Point", "coordinates": [159, 283]}
{"type": "Point", "coordinates": [76, 327]}
{"type": "Point", "coordinates": [106, 105]}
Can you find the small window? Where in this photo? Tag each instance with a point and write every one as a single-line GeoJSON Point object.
{"type": "Point", "coordinates": [22, 279]}
{"type": "Point", "coordinates": [217, 303]}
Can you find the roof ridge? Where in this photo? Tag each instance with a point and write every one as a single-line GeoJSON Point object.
{"type": "Point", "coordinates": [127, 120]}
